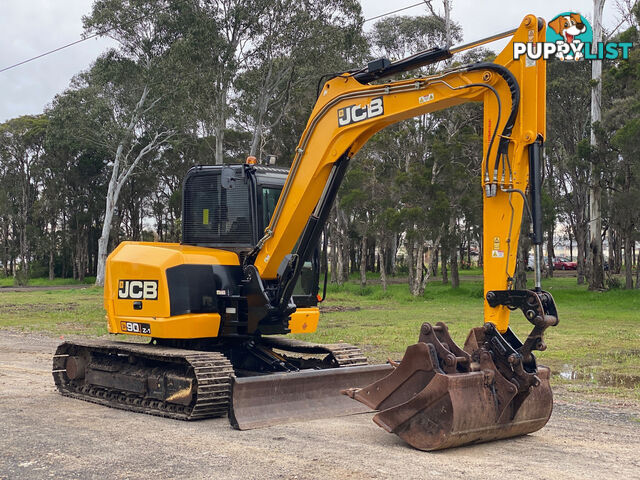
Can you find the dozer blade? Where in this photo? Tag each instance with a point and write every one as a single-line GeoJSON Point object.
{"type": "Point", "coordinates": [289, 397]}
{"type": "Point", "coordinates": [441, 396]}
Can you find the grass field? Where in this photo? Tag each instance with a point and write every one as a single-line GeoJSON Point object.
{"type": "Point", "coordinates": [41, 282]}
{"type": "Point", "coordinates": [596, 346]}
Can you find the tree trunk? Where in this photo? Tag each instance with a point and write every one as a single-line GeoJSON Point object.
{"type": "Point", "coordinates": [618, 265]}
{"type": "Point", "coordinates": [110, 205]}
{"type": "Point", "coordinates": [612, 251]}
{"type": "Point", "coordinates": [334, 244]}
{"type": "Point", "coordinates": [570, 247]}
{"type": "Point", "coordinates": [425, 271]}
{"type": "Point", "coordinates": [410, 265]}
{"type": "Point", "coordinates": [343, 248]}
{"type": "Point", "coordinates": [419, 260]}
{"type": "Point", "coordinates": [435, 258]}
{"type": "Point", "coordinates": [23, 278]}
{"type": "Point", "coordinates": [550, 251]}
{"type": "Point", "coordinates": [637, 269]}
{"type": "Point", "coordinates": [443, 267]}
{"type": "Point", "coordinates": [455, 276]}
{"type": "Point", "coordinates": [363, 261]}
{"type": "Point", "coordinates": [447, 21]}
{"type": "Point", "coordinates": [255, 141]}
{"type": "Point", "coordinates": [334, 259]}
{"type": "Point", "coordinates": [581, 243]}
{"type": "Point", "coordinates": [596, 269]}
{"type": "Point", "coordinates": [339, 264]}
{"type": "Point", "coordinates": [119, 175]}
{"type": "Point", "coordinates": [220, 126]}
{"type": "Point", "coordinates": [52, 250]}
{"type": "Point", "coordinates": [628, 275]}
{"type": "Point", "coordinates": [81, 257]}
{"type": "Point", "coordinates": [522, 257]}
{"type": "Point", "coordinates": [417, 276]}
{"type": "Point", "coordinates": [5, 250]}
{"type": "Point", "coordinates": [383, 262]}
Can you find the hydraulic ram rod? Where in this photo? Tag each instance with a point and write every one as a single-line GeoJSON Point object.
{"type": "Point", "coordinates": [382, 68]}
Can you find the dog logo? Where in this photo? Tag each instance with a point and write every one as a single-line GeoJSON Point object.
{"type": "Point", "coordinates": [572, 29]}
{"type": "Point", "coordinates": [569, 37]}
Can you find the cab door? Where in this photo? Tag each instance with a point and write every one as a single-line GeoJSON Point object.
{"type": "Point", "coordinates": [305, 293]}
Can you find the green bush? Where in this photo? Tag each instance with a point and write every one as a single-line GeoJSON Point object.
{"type": "Point", "coordinates": [21, 279]}
{"type": "Point", "coordinates": [614, 283]}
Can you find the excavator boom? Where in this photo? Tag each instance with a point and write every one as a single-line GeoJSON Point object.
{"type": "Point", "coordinates": [440, 395]}
{"type": "Point", "coordinates": [348, 113]}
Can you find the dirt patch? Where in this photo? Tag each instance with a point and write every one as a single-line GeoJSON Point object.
{"type": "Point", "coordinates": [337, 308]}
{"type": "Point", "coordinates": [344, 308]}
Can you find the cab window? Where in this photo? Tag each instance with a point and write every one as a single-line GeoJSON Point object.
{"type": "Point", "coordinates": [268, 199]}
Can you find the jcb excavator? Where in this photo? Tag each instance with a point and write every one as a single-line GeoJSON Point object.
{"type": "Point", "coordinates": [213, 309]}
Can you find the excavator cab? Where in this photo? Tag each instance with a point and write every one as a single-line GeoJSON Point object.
{"type": "Point", "coordinates": [229, 206]}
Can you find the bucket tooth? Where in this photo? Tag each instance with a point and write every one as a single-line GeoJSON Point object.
{"type": "Point", "coordinates": [432, 402]}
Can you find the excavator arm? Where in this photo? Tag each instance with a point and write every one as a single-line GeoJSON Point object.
{"type": "Point", "coordinates": [349, 111]}
{"type": "Point", "coordinates": [439, 395]}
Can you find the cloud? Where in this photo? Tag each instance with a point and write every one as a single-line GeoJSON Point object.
{"type": "Point", "coordinates": [31, 28]}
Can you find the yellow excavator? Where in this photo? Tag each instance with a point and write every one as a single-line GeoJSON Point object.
{"type": "Point", "coordinates": [214, 310]}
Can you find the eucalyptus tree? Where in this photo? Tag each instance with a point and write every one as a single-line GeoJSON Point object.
{"type": "Point", "coordinates": [409, 142]}
{"type": "Point", "coordinates": [21, 148]}
{"type": "Point", "coordinates": [129, 83]}
{"type": "Point", "coordinates": [297, 44]}
{"type": "Point", "coordinates": [567, 148]}
{"type": "Point", "coordinates": [596, 263]}
{"type": "Point", "coordinates": [217, 39]}
{"type": "Point", "coordinates": [619, 134]}
{"type": "Point", "coordinates": [76, 172]}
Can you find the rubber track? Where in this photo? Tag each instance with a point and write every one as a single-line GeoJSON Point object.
{"type": "Point", "coordinates": [211, 371]}
{"type": "Point", "coordinates": [344, 354]}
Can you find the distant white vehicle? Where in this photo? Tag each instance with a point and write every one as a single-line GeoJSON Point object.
{"type": "Point", "coordinates": [531, 264]}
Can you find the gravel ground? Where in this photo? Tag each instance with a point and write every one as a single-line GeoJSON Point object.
{"type": "Point", "coordinates": [45, 435]}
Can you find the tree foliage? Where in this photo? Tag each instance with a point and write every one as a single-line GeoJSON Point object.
{"type": "Point", "coordinates": [201, 82]}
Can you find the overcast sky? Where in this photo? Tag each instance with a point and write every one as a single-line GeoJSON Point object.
{"type": "Point", "coordinates": [31, 27]}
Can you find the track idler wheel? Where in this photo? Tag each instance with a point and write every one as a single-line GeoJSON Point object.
{"type": "Point", "coordinates": [441, 396]}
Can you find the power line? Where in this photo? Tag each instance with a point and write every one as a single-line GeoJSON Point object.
{"type": "Point", "coordinates": [98, 34]}
{"type": "Point", "coordinates": [50, 52]}
{"type": "Point", "coordinates": [84, 39]}
{"type": "Point", "coordinates": [394, 11]}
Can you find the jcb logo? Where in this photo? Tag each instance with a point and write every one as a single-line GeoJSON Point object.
{"type": "Point", "coordinates": [138, 289]}
{"type": "Point", "coordinates": [358, 113]}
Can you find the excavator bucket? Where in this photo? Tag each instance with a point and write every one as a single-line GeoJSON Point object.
{"type": "Point", "coordinates": [441, 396]}
{"type": "Point", "coordinates": [266, 400]}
